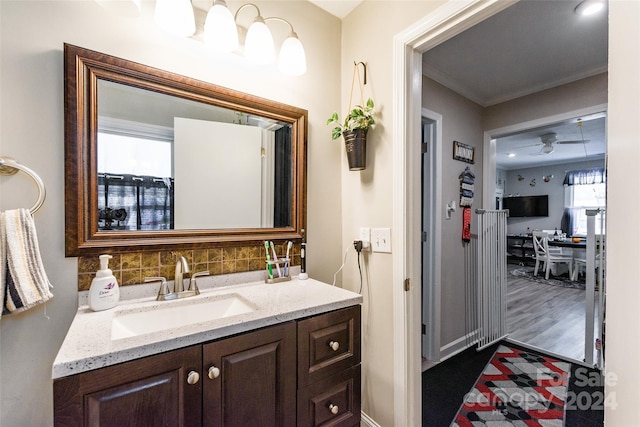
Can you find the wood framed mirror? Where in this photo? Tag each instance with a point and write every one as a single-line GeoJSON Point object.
{"type": "Point", "coordinates": [160, 161]}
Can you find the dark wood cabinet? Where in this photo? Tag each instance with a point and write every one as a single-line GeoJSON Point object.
{"type": "Point", "coordinates": [250, 379]}
{"type": "Point", "coordinates": [329, 369]}
{"type": "Point", "coordinates": [153, 391]}
{"type": "Point", "coordinates": [305, 373]}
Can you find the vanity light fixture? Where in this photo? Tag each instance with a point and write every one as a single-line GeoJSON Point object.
{"type": "Point", "coordinates": [589, 7]}
{"type": "Point", "coordinates": [221, 34]}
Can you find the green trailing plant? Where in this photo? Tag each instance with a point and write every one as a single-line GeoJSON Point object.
{"type": "Point", "coordinates": [360, 117]}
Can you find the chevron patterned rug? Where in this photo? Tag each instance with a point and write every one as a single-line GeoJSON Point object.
{"type": "Point", "coordinates": [517, 388]}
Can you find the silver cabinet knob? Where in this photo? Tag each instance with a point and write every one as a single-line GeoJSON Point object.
{"type": "Point", "coordinates": [193, 377]}
{"type": "Point", "coordinates": [335, 345]}
{"type": "Point", "coordinates": [213, 373]}
{"type": "Point", "coordinates": [334, 409]}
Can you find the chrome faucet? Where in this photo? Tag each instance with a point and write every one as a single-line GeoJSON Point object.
{"type": "Point", "coordinates": [182, 272]}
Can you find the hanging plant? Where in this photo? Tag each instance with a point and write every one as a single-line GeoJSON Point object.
{"type": "Point", "coordinates": [359, 118]}
{"type": "Point", "coordinates": [354, 127]}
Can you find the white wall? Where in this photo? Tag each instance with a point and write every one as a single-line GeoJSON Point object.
{"type": "Point", "coordinates": [32, 34]}
{"type": "Point", "coordinates": [558, 100]}
{"type": "Point", "coordinates": [367, 196]}
{"type": "Point", "coordinates": [623, 269]}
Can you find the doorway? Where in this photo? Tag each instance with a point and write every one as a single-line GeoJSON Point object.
{"type": "Point", "coordinates": [444, 23]}
{"type": "Point", "coordinates": [568, 320]}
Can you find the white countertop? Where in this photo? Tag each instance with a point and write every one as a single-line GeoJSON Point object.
{"type": "Point", "coordinates": [88, 344]}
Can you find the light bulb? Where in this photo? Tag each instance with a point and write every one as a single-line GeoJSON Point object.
{"type": "Point", "coordinates": [175, 17]}
{"type": "Point", "coordinates": [258, 46]}
{"type": "Point", "coordinates": [220, 30]}
{"type": "Point", "coordinates": [292, 60]}
{"type": "Point", "coordinates": [589, 7]}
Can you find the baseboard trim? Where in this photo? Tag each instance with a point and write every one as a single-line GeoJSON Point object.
{"type": "Point", "coordinates": [367, 421]}
{"type": "Point", "coordinates": [458, 346]}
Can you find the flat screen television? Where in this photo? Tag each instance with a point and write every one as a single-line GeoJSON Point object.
{"type": "Point", "coordinates": [526, 206]}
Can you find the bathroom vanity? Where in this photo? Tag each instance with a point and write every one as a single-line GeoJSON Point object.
{"type": "Point", "coordinates": [279, 354]}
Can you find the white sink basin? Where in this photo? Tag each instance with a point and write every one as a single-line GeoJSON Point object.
{"type": "Point", "coordinates": [167, 315]}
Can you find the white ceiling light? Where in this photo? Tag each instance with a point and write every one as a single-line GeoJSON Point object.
{"type": "Point", "coordinates": [589, 7]}
{"type": "Point", "coordinates": [547, 148]}
{"type": "Point", "coordinates": [175, 17]}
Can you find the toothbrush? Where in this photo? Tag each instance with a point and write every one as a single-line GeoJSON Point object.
{"type": "Point", "coordinates": [286, 260]}
{"type": "Point", "coordinates": [269, 267]}
{"type": "Point", "coordinates": [275, 258]}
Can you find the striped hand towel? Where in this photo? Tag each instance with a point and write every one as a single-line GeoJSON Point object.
{"type": "Point", "coordinates": [23, 281]}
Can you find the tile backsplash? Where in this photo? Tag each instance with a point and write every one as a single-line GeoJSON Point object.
{"type": "Point", "coordinates": [131, 268]}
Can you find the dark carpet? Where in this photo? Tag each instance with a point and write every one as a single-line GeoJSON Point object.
{"type": "Point", "coordinates": [445, 386]}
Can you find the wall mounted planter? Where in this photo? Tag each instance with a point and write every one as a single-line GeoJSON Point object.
{"type": "Point", "coordinates": [355, 142]}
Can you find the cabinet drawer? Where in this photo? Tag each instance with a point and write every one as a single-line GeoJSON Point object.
{"type": "Point", "coordinates": [333, 401]}
{"type": "Point", "coordinates": [327, 344]}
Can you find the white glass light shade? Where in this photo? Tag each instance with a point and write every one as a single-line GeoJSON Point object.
{"type": "Point", "coordinates": [547, 149]}
{"type": "Point", "coordinates": [589, 7]}
{"type": "Point", "coordinates": [175, 17]}
{"type": "Point", "coordinates": [220, 30]}
{"type": "Point", "coordinates": [292, 60]}
{"type": "Point", "coordinates": [258, 45]}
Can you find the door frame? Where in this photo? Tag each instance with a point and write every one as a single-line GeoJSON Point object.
{"type": "Point", "coordinates": [432, 281]}
{"type": "Point", "coordinates": [443, 23]}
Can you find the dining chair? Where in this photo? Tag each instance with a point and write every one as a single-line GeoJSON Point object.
{"type": "Point", "coordinates": [545, 258]}
{"type": "Point", "coordinates": [580, 263]}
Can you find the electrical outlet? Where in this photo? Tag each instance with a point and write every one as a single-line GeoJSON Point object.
{"type": "Point", "coordinates": [381, 240]}
{"type": "Point", "coordinates": [365, 237]}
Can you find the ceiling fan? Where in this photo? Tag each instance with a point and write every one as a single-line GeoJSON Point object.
{"type": "Point", "coordinates": [549, 139]}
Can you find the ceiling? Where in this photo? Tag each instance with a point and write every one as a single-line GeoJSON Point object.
{"type": "Point", "coordinates": [339, 8]}
{"type": "Point", "coordinates": [531, 46]}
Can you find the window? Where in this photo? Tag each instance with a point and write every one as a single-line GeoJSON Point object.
{"type": "Point", "coordinates": [583, 197]}
{"type": "Point", "coordinates": [134, 195]}
{"type": "Point", "coordinates": [584, 189]}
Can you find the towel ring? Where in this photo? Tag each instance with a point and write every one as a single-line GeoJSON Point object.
{"type": "Point", "coordinates": [9, 166]}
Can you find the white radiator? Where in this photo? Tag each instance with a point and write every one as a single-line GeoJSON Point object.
{"type": "Point", "coordinates": [492, 276]}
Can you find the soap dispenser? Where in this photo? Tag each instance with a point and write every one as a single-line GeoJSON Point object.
{"type": "Point", "coordinates": [104, 292]}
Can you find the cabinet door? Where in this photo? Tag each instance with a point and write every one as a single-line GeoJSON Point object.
{"type": "Point", "coordinates": [250, 379]}
{"type": "Point", "coordinates": [154, 391]}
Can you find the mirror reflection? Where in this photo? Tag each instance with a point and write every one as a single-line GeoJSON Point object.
{"type": "Point", "coordinates": [167, 163]}
{"type": "Point", "coordinates": [159, 161]}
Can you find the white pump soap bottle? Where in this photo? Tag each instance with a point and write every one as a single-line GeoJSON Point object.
{"type": "Point", "coordinates": [104, 292]}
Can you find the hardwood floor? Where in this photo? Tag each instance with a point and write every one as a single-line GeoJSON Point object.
{"type": "Point", "coordinates": [548, 317]}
